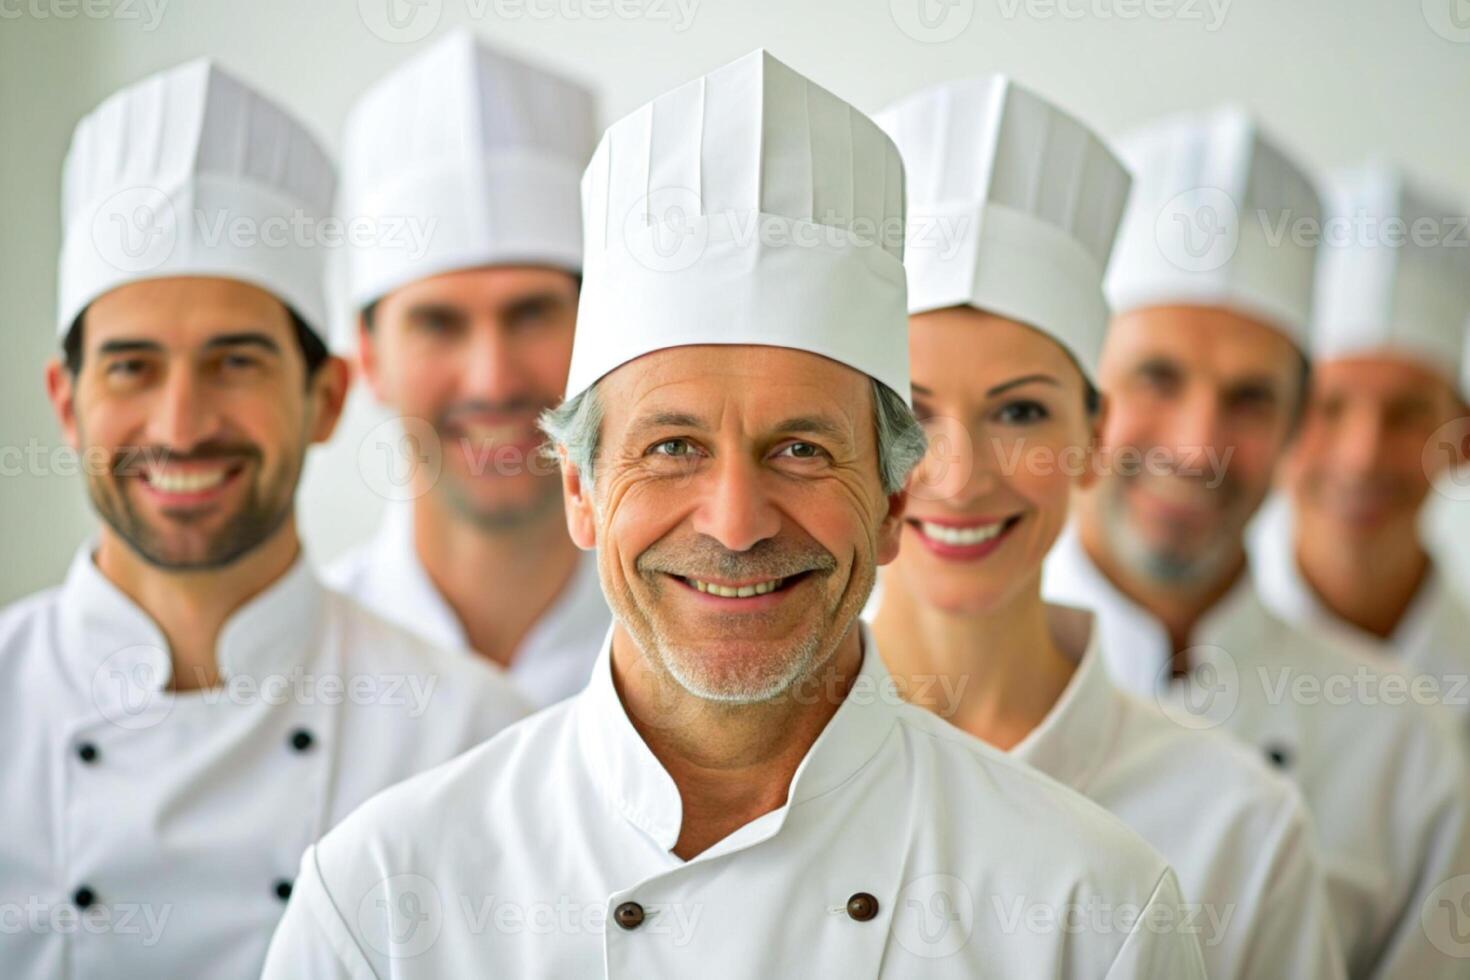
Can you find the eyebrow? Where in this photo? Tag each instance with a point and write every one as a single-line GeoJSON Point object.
{"type": "Point", "coordinates": [812, 424]}
{"type": "Point", "coordinates": [1002, 387]}
{"type": "Point", "coordinates": [241, 339]}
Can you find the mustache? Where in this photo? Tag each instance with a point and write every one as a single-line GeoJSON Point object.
{"type": "Point", "coordinates": [133, 460]}
{"type": "Point", "coordinates": [519, 405]}
{"type": "Point", "coordinates": [705, 558]}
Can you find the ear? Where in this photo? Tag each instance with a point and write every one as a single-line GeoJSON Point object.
{"type": "Point", "coordinates": [580, 509]}
{"type": "Point", "coordinates": [890, 531]}
{"type": "Point", "coordinates": [61, 390]}
{"type": "Point", "coordinates": [1096, 426]}
{"type": "Point", "coordinates": [368, 363]}
{"type": "Point", "coordinates": [329, 392]}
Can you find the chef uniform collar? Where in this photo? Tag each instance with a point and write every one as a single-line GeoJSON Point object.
{"type": "Point", "coordinates": [639, 788]}
{"type": "Point", "coordinates": [1212, 221]}
{"type": "Point", "coordinates": [1383, 287]}
{"type": "Point", "coordinates": [752, 207]}
{"type": "Point", "coordinates": [104, 630]}
{"type": "Point", "coordinates": [1013, 206]}
{"type": "Point", "coordinates": [1135, 645]}
{"type": "Point", "coordinates": [1070, 742]}
{"type": "Point", "coordinates": [191, 172]}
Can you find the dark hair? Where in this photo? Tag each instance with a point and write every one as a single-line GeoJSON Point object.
{"type": "Point", "coordinates": [1091, 397]}
{"type": "Point", "coordinates": [313, 351]}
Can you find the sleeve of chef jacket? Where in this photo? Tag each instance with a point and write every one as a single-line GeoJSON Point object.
{"type": "Point", "coordinates": [1290, 920]}
{"type": "Point", "coordinates": [312, 942]}
{"type": "Point", "coordinates": [1156, 946]}
{"type": "Point", "coordinates": [1431, 917]}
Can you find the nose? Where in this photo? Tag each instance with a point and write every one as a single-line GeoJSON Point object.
{"type": "Point", "coordinates": [1358, 448]}
{"type": "Point", "coordinates": [735, 508]}
{"type": "Point", "coordinates": [183, 415]}
{"type": "Point", "coordinates": [1194, 426]}
{"type": "Point", "coordinates": [492, 372]}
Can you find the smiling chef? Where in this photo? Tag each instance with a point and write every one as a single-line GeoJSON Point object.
{"type": "Point", "coordinates": [190, 709]}
{"type": "Point", "coordinates": [1389, 413]}
{"type": "Point", "coordinates": [1204, 368]}
{"type": "Point", "coordinates": [739, 791]}
{"type": "Point", "coordinates": [469, 339]}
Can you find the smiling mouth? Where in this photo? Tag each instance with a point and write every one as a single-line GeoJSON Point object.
{"type": "Point", "coordinates": [745, 591]}
{"type": "Point", "coordinates": [189, 480]}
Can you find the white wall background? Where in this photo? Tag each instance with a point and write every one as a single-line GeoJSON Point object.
{"type": "Point", "coordinates": [1337, 79]}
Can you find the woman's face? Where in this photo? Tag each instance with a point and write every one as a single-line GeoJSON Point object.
{"type": "Point", "coordinates": [1010, 436]}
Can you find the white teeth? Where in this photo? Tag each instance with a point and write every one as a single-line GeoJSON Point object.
{"type": "Point", "coordinates": [742, 592]}
{"type": "Point", "coordinates": [961, 536]}
{"type": "Point", "coordinates": [179, 481]}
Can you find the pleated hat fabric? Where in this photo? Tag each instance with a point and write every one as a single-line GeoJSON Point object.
{"type": "Point", "coordinates": [749, 206]}
{"type": "Point", "coordinates": [1393, 275]}
{"type": "Point", "coordinates": [191, 172]}
{"type": "Point", "coordinates": [1013, 206]}
{"type": "Point", "coordinates": [481, 151]}
{"type": "Point", "coordinates": [1219, 216]}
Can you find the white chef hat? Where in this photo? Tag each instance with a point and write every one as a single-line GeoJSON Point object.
{"type": "Point", "coordinates": [191, 172]}
{"type": "Point", "coordinates": [749, 206]}
{"type": "Point", "coordinates": [1393, 273]}
{"type": "Point", "coordinates": [1219, 216]}
{"type": "Point", "coordinates": [483, 151]}
{"type": "Point", "coordinates": [1012, 208]}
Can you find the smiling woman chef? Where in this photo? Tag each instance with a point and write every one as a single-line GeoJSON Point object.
{"type": "Point", "coordinates": [191, 709]}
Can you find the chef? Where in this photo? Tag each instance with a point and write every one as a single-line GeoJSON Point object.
{"type": "Point", "coordinates": [191, 709]}
{"type": "Point", "coordinates": [464, 328]}
{"type": "Point", "coordinates": [737, 792]}
{"type": "Point", "coordinates": [1204, 369]}
{"type": "Point", "coordinates": [1007, 318]}
{"type": "Point", "coordinates": [1387, 416]}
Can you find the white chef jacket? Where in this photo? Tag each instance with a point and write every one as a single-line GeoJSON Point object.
{"type": "Point", "coordinates": [1238, 834]}
{"type": "Point", "coordinates": [1432, 638]}
{"type": "Point", "coordinates": [552, 662]}
{"type": "Point", "coordinates": [178, 819]}
{"type": "Point", "coordinates": [514, 861]}
{"type": "Point", "coordinates": [1385, 778]}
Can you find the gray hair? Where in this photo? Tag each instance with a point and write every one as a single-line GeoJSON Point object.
{"type": "Point", "coordinates": [576, 426]}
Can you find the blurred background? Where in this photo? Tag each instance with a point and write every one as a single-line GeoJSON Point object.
{"type": "Point", "coordinates": [1336, 80]}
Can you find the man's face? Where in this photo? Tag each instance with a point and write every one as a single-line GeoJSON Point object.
{"type": "Point", "coordinates": [1203, 402]}
{"type": "Point", "coordinates": [1359, 464]}
{"type": "Point", "coordinates": [478, 355]}
{"type": "Point", "coordinates": [194, 392]}
{"type": "Point", "coordinates": [736, 468]}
